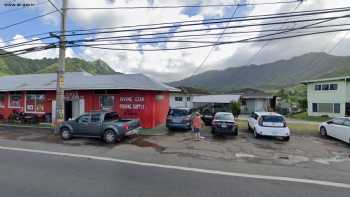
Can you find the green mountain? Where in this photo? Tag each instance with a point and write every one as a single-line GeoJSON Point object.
{"type": "Point", "coordinates": [12, 65]}
{"type": "Point", "coordinates": [279, 74]}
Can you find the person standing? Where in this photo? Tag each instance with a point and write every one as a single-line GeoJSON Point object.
{"type": "Point", "coordinates": [197, 124]}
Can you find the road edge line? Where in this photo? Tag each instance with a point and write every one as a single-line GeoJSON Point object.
{"type": "Point", "coordinates": [182, 168]}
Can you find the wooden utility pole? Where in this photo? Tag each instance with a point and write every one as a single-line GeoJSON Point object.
{"type": "Point", "coordinates": [59, 113]}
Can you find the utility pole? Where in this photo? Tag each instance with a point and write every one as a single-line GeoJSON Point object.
{"type": "Point", "coordinates": [60, 73]}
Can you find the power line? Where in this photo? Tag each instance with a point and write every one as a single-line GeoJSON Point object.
{"type": "Point", "coordinates": [318, 11]}
{"type": "Point", "coordinates": [267, 43]}
{"type": "Point", "coordinates": [253, 39]}
{"type": "Point", "coordinates": [209, 45]}
{"type": "Point", "coordinates": [244, 40]}
{"type": "Point", "coordinates": [214, 47]}
{"type": "Point", "coordinates": [216, 28]}
{"type": "Point", "coordinates": [53, 5]}
{"type": "Point", "coordinates": [204, 23]}
{"type": "Point", "coordinates": [177, 32]}
{"type": "Point", "coordinates": [178, 6]}
{"type": "Point", "coordinates": [199, 36]}
{"type": "Point", "coordinates": [27, 20]}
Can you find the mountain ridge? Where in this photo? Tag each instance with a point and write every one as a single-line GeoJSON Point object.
{"type": "Point", "coordinates": [278, 74]}
{"type": "Point", "coordinates": [13, 65]}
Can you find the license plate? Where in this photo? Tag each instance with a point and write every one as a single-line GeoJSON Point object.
{"type": "Point", "coordinates": [177, 120]}
{"type": "Point", "coordinates": [223, 125]}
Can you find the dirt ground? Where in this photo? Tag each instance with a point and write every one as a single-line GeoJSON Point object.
{"type": "Point", "coordinates": [244, 147]}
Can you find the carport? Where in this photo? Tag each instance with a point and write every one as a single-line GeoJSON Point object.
{"type": "Point", "coordinates": [211, 103]}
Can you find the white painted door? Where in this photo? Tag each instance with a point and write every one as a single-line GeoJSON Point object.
{"type": "Point", "coordinates": [81, 106]}
{"type": "Point", "coordinates": [75, 108]}
{"type": "Point", "coordinates": [259, 105]}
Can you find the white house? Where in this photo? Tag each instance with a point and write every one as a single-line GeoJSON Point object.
{"type": "Point", "coordinates": [184, 98]}
{"type": "Point", "coordinates": [329, 96]}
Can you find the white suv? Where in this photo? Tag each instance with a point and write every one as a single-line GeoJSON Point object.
{"type": "Point", "coordinates": [268, 124]}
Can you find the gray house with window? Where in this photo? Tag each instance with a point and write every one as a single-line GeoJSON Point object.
{"type": "Point", "coordinates": [329, 96]}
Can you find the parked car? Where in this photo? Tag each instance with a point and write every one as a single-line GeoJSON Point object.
{"type": "Point", "coordinates": [268, 124]}
{"type": "Point", "coordinates": [224, 123]}
{"type": "Point", "coordinates": [208, 112]}
{"type": "Point", "coordinates": [105, 125]}
{"type": "Point", "coordinates": [179, 118]}
{"type": "Point", "coordinates": [338, 128]}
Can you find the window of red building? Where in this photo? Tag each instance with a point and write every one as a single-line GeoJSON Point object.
{"type": "Point", "coordinates": [107, 102]}
{"type": "Point", "coordinates": [35, 103]}
{"type": "Point", "coordinates": [2, 100]}
{"type": "Point", "coordinates": [14, 100]}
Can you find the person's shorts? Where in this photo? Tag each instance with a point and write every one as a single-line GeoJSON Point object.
{"type": "Point", "coordinates": [195, 130]}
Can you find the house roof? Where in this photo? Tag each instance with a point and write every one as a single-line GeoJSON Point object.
{"type": "Point", "coordinates": [250, 93]}
{"type": "Point", "coordinates": [82, 81]}
{"type": "Point", "coordinates": [226, 98]}
{"type": "Point", "coordinates": [191, 90]}
{"type": "Point", "coordinates": [326, 79]}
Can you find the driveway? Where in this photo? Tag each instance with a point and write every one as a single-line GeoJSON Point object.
{"type": "Point", "coordinates": [300, 150]}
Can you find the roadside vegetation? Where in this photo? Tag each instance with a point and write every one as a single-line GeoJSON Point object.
{"type": "Point", "coordinates": [304, 116]}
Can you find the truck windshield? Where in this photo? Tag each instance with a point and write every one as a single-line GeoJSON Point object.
{"type": "Point", "coordinates": [272, 119]}
{"type": "Point", "coordinates": [179, 112]}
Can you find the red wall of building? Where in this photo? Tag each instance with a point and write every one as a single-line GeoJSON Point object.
{"type": "Point", "coordinates": [151, 107]}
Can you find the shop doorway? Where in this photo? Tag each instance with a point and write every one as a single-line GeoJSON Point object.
{"type": "Point", "coordinates": [68, 110]}
{"type": "Point", "coordinates": [72, 108]}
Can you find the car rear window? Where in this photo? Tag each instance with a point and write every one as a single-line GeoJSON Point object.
{"type": "Point", "coordinates": [111, 116]}
{"type": "Point", "coordinates": [179, 112]}
{"type": "Point", "coordinates": [272, 118]}
{"type": "Point", "coordinates": [224, 116]}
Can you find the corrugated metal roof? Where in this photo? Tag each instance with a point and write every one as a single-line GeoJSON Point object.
{"type": "Point", "coordinates": [226, 98]}
{"type": "Point", "coordinates": [326, 79]}
{"type": "Point", "coordinates": [82, 81]}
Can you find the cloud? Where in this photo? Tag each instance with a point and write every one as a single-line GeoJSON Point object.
{"type": "Point", "coordinates": [51, 53]}
{"type": "Point", "coordinates": [175, 65]}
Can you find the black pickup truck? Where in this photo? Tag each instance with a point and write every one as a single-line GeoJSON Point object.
{"type": "Point", "coordinates": [105, 125]}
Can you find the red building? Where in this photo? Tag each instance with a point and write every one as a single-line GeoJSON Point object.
{"type": "Point", "coordinates": [131, 95]}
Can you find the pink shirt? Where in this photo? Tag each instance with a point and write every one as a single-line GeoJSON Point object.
{"type": "Point", "coordinates": [197, 122]}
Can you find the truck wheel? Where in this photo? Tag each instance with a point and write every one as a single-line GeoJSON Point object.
{"type": "Point", "coordinates": [65, 133]}
{"type": "Point", "coordinates": [110, 137]}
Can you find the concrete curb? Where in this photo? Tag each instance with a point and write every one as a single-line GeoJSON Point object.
{"type": "Point", "coordinates": [25, 126]}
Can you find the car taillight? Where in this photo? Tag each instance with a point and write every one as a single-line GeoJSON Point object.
{"type": "Point", "coordinates": [260, 122]}
{"type": "Point", "coordinates": [126, 127]}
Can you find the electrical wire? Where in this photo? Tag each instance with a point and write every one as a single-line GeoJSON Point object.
{"type": "Point", "coordinates": [214, 47]}
{"type": "Point", "coordinates": [27, 20]}
{"type": "Point", "coordinates": [178, 6]}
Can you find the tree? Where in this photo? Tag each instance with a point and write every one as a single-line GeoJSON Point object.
{"type": "Point", "coordinates": [236, 108]}
{"type": "Point", "coordinates": [302, 104]}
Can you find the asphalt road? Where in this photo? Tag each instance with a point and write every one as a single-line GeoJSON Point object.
{"type": "Point", "coordinates": [33, 175]}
